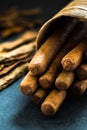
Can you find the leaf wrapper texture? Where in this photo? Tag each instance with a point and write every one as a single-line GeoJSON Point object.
{"type": "Point", "coordinates": [76, 9]}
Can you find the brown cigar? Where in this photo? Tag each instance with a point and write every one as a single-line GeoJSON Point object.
{"type": "Point", "coordinates": [64, 80]}
{"type": "Point", "coordinates": [29, 84]}
{"type": "Point", "coordinates": [47, 79]}
{"type": "Point", "coordinates": [50, 48]}
{"type": "Point", "coordinates": [79, 87]}
{"type": "Point", "coordinates": [53, 102]}
{"type": "Point", "coordinates": [72, 60]}
{"type": "Point", "coordinates": [82, 72]}
{"type": "Point", "coordinates": [39, 95]}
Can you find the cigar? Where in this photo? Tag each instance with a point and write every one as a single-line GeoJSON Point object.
{"type": "Point", "coordinates": [13, 75]}
{"type": "Point", "coordinates": [39, 96]}
{"type": "Point", "coordinates": [50, 48]}
{"type": "Point", "coordinates": [81, 71]}
{"type": "Point", "coordinates": [25, 37]}
{"type": "Point", "coordinates": [53, 102]}
{"type": "Point", "coordinates": [29, 84]}
{"type": "Point", "coordinates": [64, 80]}
{"type": "Point", "coordinates": [73, 59]}
{"type": "Point", "coordinates": [79, 87]}
{"type": "Point", "coordinates": [47, 79]}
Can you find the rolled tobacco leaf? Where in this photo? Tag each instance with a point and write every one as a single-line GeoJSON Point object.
{"type": "Point", "coordinates": [53, 101]}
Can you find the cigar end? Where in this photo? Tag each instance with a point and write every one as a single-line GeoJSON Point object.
{"type": "Point", "coordinates": [36, 69]}
{"type": "Point", "coordinates": [60, 85]}
{"type": "Point", "coordinates": [26, 90]}
{"type": "Point", "coordinates": [45, 83]}
{"type": "Point", "coordinates": [47, 109]}
{"type": "Point", "coordinates": [67, 65]}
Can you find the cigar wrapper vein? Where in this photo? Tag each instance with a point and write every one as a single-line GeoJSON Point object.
{"type": "Point", "coordinates": [42, 59]}
{"type": "Point", "coordinates": [53, 102]}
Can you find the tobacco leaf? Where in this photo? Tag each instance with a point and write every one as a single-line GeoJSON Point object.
{"type": "Point", "coordinates": [25, 37]}
{"type": "Point", "coordinates": [13, 75]}
{"type": "Point", "coordinates": [7, 69]}
{"type": "Point", "coordinates": [16, 53]}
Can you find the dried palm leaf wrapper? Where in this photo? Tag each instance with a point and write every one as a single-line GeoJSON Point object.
{"type": "Point", "coordinates": [76, 9]}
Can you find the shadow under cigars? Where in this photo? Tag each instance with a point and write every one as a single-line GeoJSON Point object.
{"type": "Point", "coordinates": [67, 117]}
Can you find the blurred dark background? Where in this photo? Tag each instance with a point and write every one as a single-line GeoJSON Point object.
{"type": "Point", "coordinates": [49, 7]}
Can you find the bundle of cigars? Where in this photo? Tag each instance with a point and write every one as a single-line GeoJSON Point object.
{"type": "Point", "coordinates": [18, 44]}
{"type": "Point", "coordinates": [59, 66]}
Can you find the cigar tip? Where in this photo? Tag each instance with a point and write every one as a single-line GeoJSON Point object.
{"type": "Point", "coordinates": [35, 69]}
{"type": "Point", "coordinates": [47, 109]}
{"type": "Point", "coordinates": [60, 85]}
{"type": "Point", "coordinates": [26, 90]}
{"type": "Point", "coordinates": [44, 82]}
{"type": "Point", "coordinates": [67, 65]}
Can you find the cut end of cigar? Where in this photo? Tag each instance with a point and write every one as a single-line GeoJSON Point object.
{"type": "Point", "coordinates": [60, 85]}
{"type": "Point", "coordinates": [45, 83]}
{"type": "Point", "coordinates": [67, 65]}
{"type": "Point", "coordinates": [47, 109]}
{"type": "Point", "coordinates": [36, 69]}
{"type": "Point", "coordinates": [26, 90]}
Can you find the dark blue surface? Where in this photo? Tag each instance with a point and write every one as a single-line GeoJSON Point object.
{"type": "Point", "coordinates": [18, 112]}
